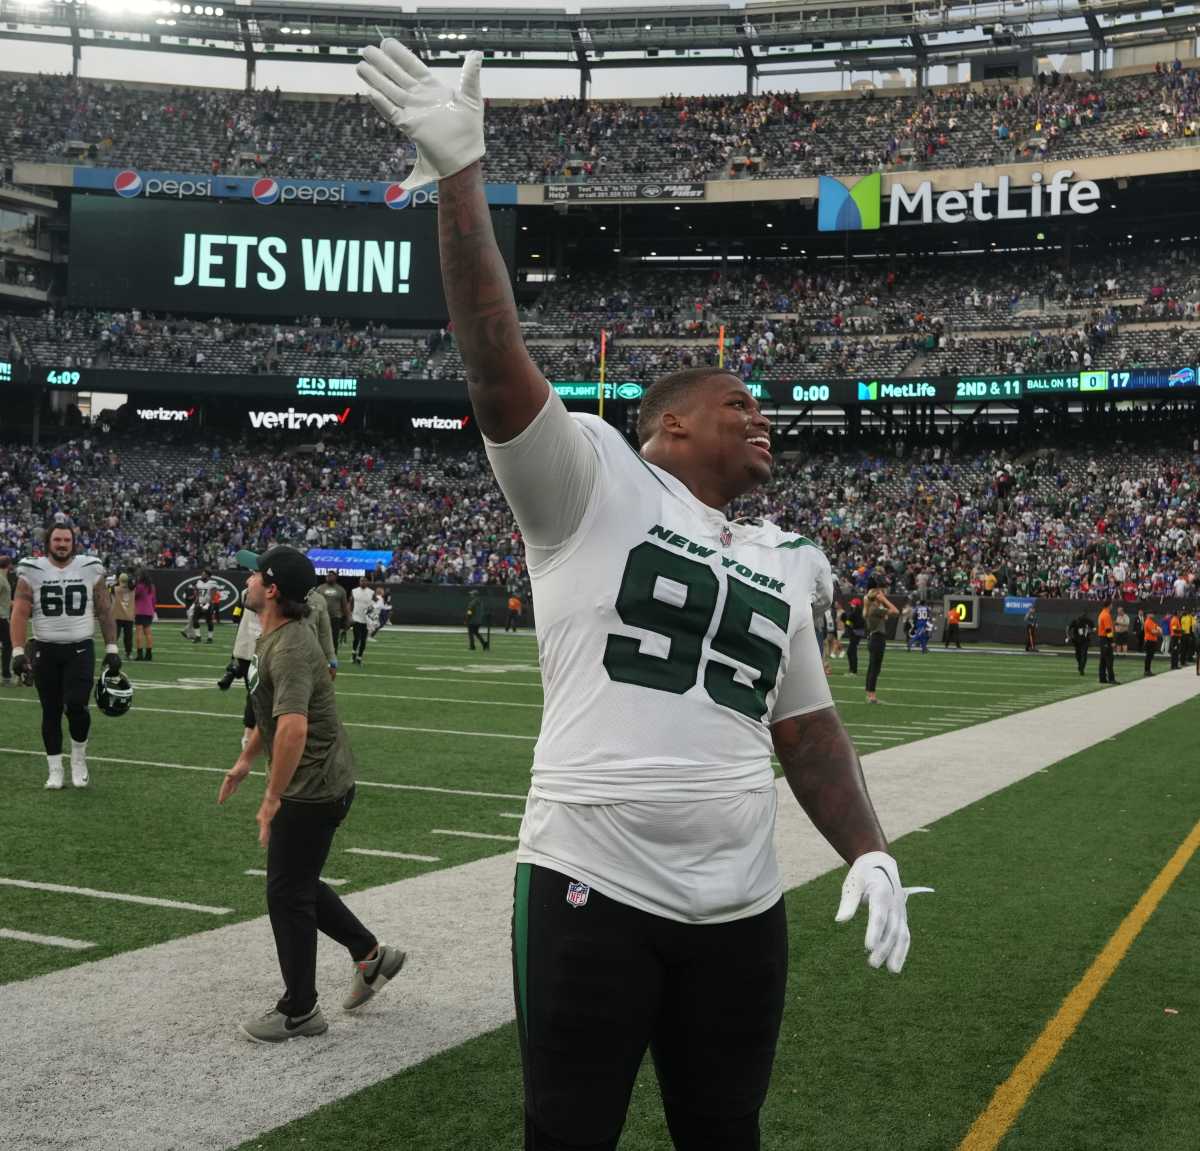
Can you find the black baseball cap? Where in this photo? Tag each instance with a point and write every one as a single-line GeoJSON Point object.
{"type": "Point", "coordinates": [289, 569]}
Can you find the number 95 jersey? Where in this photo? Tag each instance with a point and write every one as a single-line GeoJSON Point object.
{"type": "Point", "coordinates": [670, 638]}
{"type": "Point", "coordinates": [63, 608]}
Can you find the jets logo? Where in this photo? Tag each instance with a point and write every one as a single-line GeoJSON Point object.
{"type": "Point", "coordinates": [252, 675]}
{"type": "Point", "coordinates": [230, 593]}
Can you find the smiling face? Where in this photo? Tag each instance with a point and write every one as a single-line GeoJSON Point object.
{"type": "Point", "coordinates": [717, 427]}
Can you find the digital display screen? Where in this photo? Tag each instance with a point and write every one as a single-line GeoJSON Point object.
{"type": "Point", "coordinates": [241, 259]}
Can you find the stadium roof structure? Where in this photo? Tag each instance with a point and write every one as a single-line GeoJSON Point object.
{"type": "Point", "coordinates": [859, 34]}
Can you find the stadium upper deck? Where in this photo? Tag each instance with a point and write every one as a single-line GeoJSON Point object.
{"type": "Point", "coordinates": [770, 136]}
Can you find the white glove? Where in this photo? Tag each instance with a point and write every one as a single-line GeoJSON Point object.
{"type": "Point", "coordinates": [445, 124]}
{"type": "Point", "coordinates": [874, 879]}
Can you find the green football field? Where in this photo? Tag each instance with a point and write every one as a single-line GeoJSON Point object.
{"type": "Point", "coordinates": [1032, 882]}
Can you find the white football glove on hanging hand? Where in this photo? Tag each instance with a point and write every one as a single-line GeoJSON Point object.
{"type": "Point", "coordinates": [874, 879]}
{"type": "Point", "coordinates": [446, 124]}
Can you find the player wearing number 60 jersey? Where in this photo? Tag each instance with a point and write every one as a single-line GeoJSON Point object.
{"type": "Point", "coordinates": [63, 595]}
{"type": "Point", "coordinates": [677, 651]}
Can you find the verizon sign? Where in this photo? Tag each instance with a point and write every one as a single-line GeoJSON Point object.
{"type": "Point", "coordinates": [166, 415]}
{"type": "Point", "coordinates": [441, 423]}
{"type": "Point", "coordinates": [295, 421]}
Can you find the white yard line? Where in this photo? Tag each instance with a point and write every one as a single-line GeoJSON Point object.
{"type": "Point", "coordinates": [454, 923]}
{"type": "Point", "coordinates": [222, 770]}
{"type": "Point", "coordinates": [392, 854]}
{"type": "Point", "coordinates": [345, 723]}
{"type": "Point", "coordinates": [45, 940]}
{"type": "Point", "coordinates": [115, 896]}
{"type": "Point", "coordinates": [259, 872]}
{"type": "Point", "coordinates": [473, 834]}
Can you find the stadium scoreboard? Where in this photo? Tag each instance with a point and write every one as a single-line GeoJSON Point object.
{"type": "Point", "coordinates": [240, 259]}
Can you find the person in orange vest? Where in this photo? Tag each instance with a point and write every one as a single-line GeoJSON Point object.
{"type": "Point", "coordinates": [1175, 643]}
{"type": "Point", "coordinates": [514, 613]}
{"type": "Point", "coordinates": [1151, 634]}
{"type": "Point", "coordinates": [1105, 630]}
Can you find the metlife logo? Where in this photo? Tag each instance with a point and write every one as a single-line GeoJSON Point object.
{"type": "Point", "coordinates": [295, 421]}
{"type": "Point", "coordinates": [441, 423]}
{"type": "Point", "coordinates": [166, 415]}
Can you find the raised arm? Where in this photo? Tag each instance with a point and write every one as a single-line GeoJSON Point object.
{"type": "Point", "coordinates": [446, 124]}
{"type": "Point", "coordinates": [507, 389]}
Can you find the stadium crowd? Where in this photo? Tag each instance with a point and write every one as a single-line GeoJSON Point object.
{"type": "Point", "coordinates": [783, 318]}
{"type": "Point", "coordinates": [1055, 522]}
{"type": "Point", "coordinates": [773, 135]}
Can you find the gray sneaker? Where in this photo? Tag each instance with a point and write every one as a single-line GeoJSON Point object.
{"type": "Point", "coordinates": [373, 975]}
{"type": "Point", "coordinates": [275, 1027]}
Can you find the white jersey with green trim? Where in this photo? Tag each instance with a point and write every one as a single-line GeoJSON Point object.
{"type": "Point", "coordinates": [670, 639]}
{"type": "Point", "coordinates": [64, 609]}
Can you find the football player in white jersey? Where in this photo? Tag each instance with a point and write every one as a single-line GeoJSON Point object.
{"type": "Point", "coordinates": [63, 594]}
{"type": "Point", "coordinates": [677, 651]}
{"type": "Point", "coordinates": [204, 608]}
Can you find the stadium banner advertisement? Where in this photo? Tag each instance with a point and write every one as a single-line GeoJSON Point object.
{"type": "Point", "coordinates": [623, 190]}
{"type": "Point", "coordinates": [348, 562]}
{"type": "Point", "coordinates": [855, 206]}
{"type": "Point", "coordinates": [130, 183]}
{"type": "Point", "coordinates": [230, 259]}
{"type": "Point", "coordinates": [1018, 604]}
{"type": "Point", "coordinates": [294, 419]}
{"type": "Point", "coordinates": [161, 415]}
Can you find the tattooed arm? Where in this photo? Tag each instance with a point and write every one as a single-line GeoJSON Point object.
{"type": "Point", "coordinates": [22, 609]}
{"type": "Point", "coordinates": [104, 613]}
{"type": "Point", "coordinates": [825, 776]}
{"type": "Point", "coordinates": [507, 390]}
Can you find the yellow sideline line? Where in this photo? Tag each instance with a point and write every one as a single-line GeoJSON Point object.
{"type": "Point", "coordinates": [1011, 1096]}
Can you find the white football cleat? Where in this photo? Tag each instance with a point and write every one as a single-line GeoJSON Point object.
{"type": "Point", "coordinates": [54, 780]}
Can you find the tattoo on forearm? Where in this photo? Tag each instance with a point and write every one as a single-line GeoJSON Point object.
{"type": "Point", "coordinates": [825, 775]}
{"type": "Point", "coordinates": [476, 280]}
{"type": "Point", "coordinates": [104, 612]}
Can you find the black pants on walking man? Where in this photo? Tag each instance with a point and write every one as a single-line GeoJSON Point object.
{"type": "Point", "coordinates": [300, 905]}
{"type": "Point", "coordinates": [1081, 654]}
{"type": "Point", "coordinates": [5, 649]}
{"type": "Point", "coordinates": [1174, 646]}
{"type": "Point", "coordinates": [360, 639]}
{"type": "Point", "coordinates": [876, 646]}
{"type": "Point", "coordinates": [951, 636]}
{"type": "Point", "coordinates": [473, 634]}
{"type": "Point", "coordinates": [852, 642]}
{"type": "Point", "coordinates": [1106, 660]}
{"type": "Point", "coordinates": [1151, 648]}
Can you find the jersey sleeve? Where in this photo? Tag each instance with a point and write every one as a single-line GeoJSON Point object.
{"type": "Point", "coordinates": [549, 474]}
{"type": "Point", "coordinates": [805, 687]}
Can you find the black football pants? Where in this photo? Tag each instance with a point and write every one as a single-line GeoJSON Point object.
{"type": "Point", "coordinates": [597, 984]}
{"type": "Point", "coordinates": [63, 674]}
{"type": "Point", "coordinates": [300, 905]}
{"type": "Point", "coordinates": [5, 649]}
{"type": "Point", "coordinates": [360, 639]}
{"type": "Point", "coordinates": [876, 646]}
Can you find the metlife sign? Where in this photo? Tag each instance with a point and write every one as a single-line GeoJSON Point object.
{"type": "Point", "coordinates": [232, 259]}
{"type": "Point", "coordinates": [855, 207]}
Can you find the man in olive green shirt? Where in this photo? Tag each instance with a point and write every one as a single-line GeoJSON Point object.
{"type": "Point", "coordinates": [310, 787]}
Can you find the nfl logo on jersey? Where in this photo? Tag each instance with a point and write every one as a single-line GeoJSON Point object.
{"type": "Point", "coordinates": [577, 894]}
{"type": "Point", "coordinates": [726, 537]}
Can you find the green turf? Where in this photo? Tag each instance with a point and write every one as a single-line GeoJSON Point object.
{"type": "Point", "coordinates": [1031, 883]}
{"type": "Point", "coordinates": [156, 830]}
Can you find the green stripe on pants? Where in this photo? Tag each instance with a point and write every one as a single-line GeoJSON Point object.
{"type": "Point", "coordinates": [521, 939]}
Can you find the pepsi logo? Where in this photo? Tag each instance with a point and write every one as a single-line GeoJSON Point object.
{"type": "Point", "coordinates": [127, 183]}
{"type": "Point", "coordinates": [397, 196]}
{"type": "Point", "coordinates": [265, 191]}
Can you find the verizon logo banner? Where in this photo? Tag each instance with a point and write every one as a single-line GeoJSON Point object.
{"type": "Point", "coordinates": [166, 415]}
{"type": "Point", "coordinates": [441, 423]}
{"type": "Point", "coordinates": [293, 420]}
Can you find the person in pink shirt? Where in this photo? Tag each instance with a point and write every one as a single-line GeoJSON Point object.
{"type": "Point", "coordinates": [143, 615]}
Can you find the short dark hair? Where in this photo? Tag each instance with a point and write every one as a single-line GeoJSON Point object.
{"type": "Point", "coordinates": [668, 390]}
{"type": "Point", "coordinates": [63, 527]}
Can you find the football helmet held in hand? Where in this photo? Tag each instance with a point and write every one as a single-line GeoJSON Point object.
{"type": "Point", "coordinates": [114, 692]}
